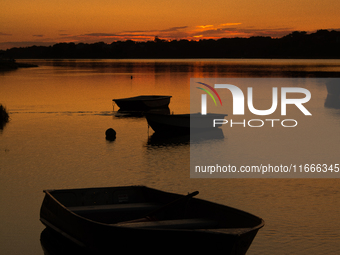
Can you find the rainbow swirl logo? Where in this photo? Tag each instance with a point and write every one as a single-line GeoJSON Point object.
{"type": "Point", "coordinates": [209, 93]}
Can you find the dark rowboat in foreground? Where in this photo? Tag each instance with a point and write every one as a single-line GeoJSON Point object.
{"type": "Point", "coordinates": [138, 218]}
{"type": "Point", "coordinates": [182, 123]}
{"type": "Point", "coordinates": [142, 103]}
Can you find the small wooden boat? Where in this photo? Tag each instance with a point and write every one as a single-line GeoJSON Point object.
{"type": "Point", "coordinates": [182, 123]}
{"type": "Point", "coordinates": [138, 218]}
{"type": "Point", "coordinates": [142, 103]}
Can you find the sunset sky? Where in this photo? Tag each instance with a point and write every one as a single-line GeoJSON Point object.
{"type": "Point", "coordinates": [41, 22]}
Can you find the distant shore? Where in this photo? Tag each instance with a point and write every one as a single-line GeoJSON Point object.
{"type": "Point", "coordinates": [322, 44]}
{"type": "Point", "coordinates": [10, 64]}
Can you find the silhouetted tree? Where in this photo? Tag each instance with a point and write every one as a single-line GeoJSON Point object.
{"type": "Point", "coordinates": [298, 44]}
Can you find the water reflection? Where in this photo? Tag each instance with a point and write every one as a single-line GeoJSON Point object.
{"type": "Point", "coordinates": [59, 126]}
{"type": "Point", "coordinates": [54, 244]}
{"type": "Point", "coordinates": [140, 114]}
{"type": "Point", "coordinates": [208, 67]}
{"type": "Point", "coordinates": [213, 134]}
{"type": "Point", "coordinates": [333, 96]}
{"type": "Point", "coordinates": [2, 125]}
{"type": "Point", "coordinates": [161, 139]}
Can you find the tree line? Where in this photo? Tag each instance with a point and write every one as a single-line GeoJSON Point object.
{"type": "Point", "coordinates": [298, 44]}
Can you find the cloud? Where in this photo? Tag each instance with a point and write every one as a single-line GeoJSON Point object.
{"type": "Point", "coordinates": [174, 29]}
{"type": "Point", "coordinates": [214, 31]}
{"type": "Point", "coordinates": [271, 32]}
{"type": "Point", "coordinates": [225, 30]}
{"type": "Point", "coordinates": [230, 24]}
{"type": "Point", "coordinates": [157, 30]}
{"type": "Point", "coordinates": [100, 35]}
{"type": "Point", "coordinates": [205, 26]}
{"type": "Point", "coordinates": [235, 29]}
{"type": "Point", "coordinates": [137, 35]}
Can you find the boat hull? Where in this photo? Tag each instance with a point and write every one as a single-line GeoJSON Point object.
{"type": "Point", "coordinates": [142, 103]}
{"type": "Point", "coordinates": [182, 123]}
{"type": "Point", "coordinates": [104, 238]}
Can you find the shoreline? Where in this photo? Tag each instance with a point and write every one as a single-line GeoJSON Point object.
{"type": "Point", "coordinates": [11, 64]}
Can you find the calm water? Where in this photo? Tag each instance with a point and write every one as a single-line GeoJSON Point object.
{"type": "Point", "coordinates": [56, 139]}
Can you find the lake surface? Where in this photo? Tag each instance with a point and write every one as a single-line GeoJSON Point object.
{"type": "Point", "coordinates": [56, 139]}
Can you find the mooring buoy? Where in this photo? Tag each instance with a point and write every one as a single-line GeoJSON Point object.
{"type": "Point", "coordinates": [110, 134]}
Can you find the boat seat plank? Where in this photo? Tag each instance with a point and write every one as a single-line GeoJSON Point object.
{"type": "Point", "coordinates": [113, 207]}
{"type": "Point", "coordinates": [171, 224]}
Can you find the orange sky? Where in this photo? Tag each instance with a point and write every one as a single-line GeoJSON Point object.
{"type": "Point", "coordinates": [41, 22]}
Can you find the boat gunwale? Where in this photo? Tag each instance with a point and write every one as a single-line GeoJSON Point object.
{"type": "Point", "coordinates": [197, 114]}
{"type": "Point", "coordinates": [212, 230]}
{"type": "Point", "coordinates": [142, 98]}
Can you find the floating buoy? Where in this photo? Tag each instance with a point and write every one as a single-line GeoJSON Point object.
{"type": "Point", "coordinates": [110, 134]}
